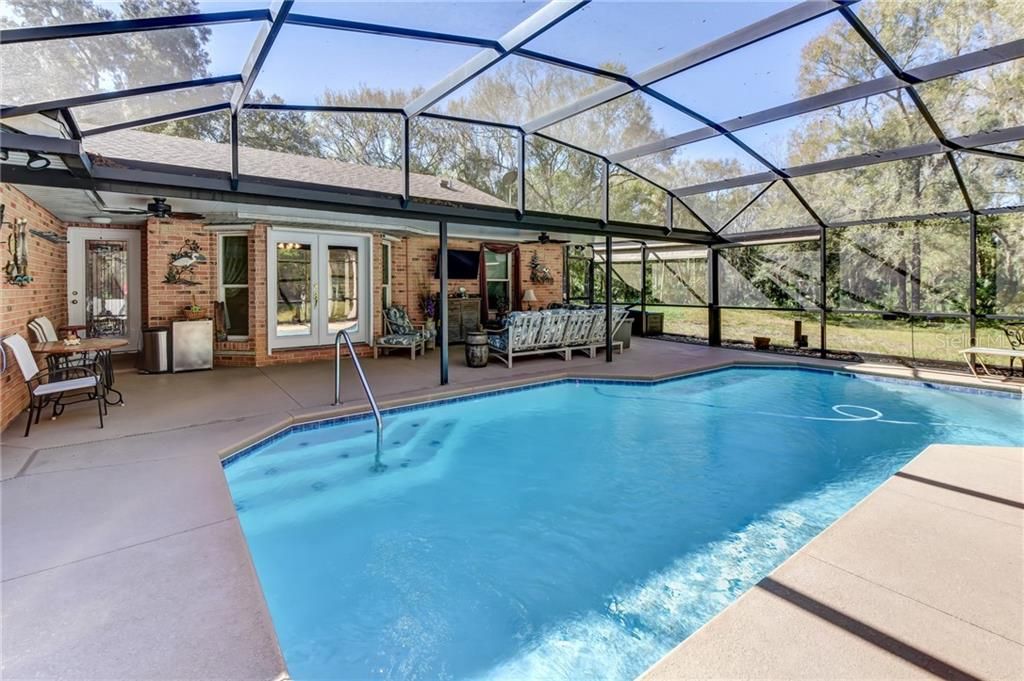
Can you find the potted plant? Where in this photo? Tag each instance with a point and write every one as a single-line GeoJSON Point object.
{"type": "Point", "coordinates": [194, 311]}
{"type": "Point", "coordinates": [429, 306]}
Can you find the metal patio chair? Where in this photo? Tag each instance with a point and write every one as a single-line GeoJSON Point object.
{"type": "Point", "coordinates": [49, 387]}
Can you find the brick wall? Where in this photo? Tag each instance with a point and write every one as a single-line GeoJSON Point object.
{"type": "Point", "coordinates": [165, 302]}
{"type": "Point", "coordinates": [418, 258]}
{"type": "Point", "coordinates": [45, 296]}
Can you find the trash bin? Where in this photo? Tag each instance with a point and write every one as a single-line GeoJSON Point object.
{"type": "Point", "coordinates": [153, 358]}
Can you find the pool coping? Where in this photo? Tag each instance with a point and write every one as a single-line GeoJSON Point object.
{"type": "Point", "coordinates": [339, 415]}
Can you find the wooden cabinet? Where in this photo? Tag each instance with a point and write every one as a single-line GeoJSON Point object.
{"type": "Point", "coordinates": [463, 317]}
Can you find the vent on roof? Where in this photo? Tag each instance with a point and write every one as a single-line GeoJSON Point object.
{"type": "Point", "coordinates": [446, 183]}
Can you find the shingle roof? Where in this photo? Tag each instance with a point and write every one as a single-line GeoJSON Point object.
{"type": "Point", "coordinates": [150, 147]}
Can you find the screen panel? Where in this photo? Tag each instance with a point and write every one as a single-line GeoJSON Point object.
{"type": "Point", "coordinates": [623, 123]}
{"type": "Point", "coordinates": [60, 69]}
{"type": "Point", "coordinates": [774, 275]}
{"type": "Point", "coordinates": [562, 180]}
{"type": "Point", "coordinates": [632, 199]}
{"type": "Point", "coordinates": [886, 121]}
{"type": "Point", "coordinates": [816, 57]}
{"type": "Point", "coordinates": [518, 89]}
{"type": "Point", "coordinates": [1001, 264]}
{"type": "Point", "coordinates": [914, 267]}
{"type": "Point", "coordinates": [908, 187]}
{"type": "Point", "coordinates": [474, 164]}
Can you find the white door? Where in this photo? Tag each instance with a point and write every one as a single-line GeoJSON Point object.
{"type": "Point", "coordinates": [319, 284]}
{"type": "Point", "coordinates": [104, 283]}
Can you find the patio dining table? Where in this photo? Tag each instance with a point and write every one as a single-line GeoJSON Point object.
{"type": "Point", "coordinates": [100, 347]}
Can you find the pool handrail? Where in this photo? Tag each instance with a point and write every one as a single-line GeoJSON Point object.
{"type": "Point", "coordinates": [343, 334]}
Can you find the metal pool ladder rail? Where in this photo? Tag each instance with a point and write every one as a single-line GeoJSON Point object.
{"type": "Point", "coordinates": [377, 465]}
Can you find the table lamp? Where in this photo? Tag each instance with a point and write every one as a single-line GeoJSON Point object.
{"type": "Point", "coordinates": [529, 297]}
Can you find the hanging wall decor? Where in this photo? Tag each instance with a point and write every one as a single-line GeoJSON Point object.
{"type": "Point", "coordinates": [16, 268]}
{"type": "Point", "coordinates": [183, 264]}
{"type": "Point", "coordinates": [539, 273]}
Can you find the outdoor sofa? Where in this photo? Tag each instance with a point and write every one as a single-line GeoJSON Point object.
{"type": "Point", "coordinates": [559, 331]}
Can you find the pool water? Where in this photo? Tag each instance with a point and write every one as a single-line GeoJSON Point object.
{"type": "Point", "coordinates": [574, 530]}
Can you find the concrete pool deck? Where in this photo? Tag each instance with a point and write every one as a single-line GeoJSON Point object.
{"type": "Point", "coordinates": [122, 553]}
{"type": "Point", "coordinates": [924, 578]}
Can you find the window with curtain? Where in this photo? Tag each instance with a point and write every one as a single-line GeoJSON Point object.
{"type": "Point", "coordinates": [498, 286]}
{"type": "Point", "coordinates": [234, 284]}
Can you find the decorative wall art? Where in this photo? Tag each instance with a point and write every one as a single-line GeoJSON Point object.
{"type": "Point", "coordinates": [539, 273]}
{"type": "Point", "coordinates": [183, 263]}
{"type": "Point", "coordinates": [16, 268]}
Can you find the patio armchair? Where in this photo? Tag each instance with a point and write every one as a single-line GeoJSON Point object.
{"type": "Point", "coordinates": [49, 387]}
{"type": "Point", "coordinates": [401, 333]}
{"type": "Point", "coordinates": [43, 330]}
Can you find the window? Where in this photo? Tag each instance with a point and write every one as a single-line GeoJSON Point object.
{"type": "Point", "coordinates": [234, 284]}
{"type": "Point", "coordinates": [385, 276]}
{"type": "Point", "coordinates": [497, 280]}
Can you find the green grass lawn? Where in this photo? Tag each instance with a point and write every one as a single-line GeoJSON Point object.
{"type": "Point", "coordinates": [861, 334]}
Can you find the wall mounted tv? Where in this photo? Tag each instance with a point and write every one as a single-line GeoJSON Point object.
{"type": "Point", "coordinates": [461, 265]}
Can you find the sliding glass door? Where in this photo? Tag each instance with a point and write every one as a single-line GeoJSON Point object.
{"type": "Point", "coordinates": [319, 284]}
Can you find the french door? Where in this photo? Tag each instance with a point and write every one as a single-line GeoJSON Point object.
{"type": "Point", "coordinates": [319, 284]}
{"type": "Point", "coordinates": [104, 283]}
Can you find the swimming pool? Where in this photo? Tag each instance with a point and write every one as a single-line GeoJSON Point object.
{"type": "Point", "coordinates": [579, 529]}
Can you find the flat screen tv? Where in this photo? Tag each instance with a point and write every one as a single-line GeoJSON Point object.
{"type": "Point", "coordinates": [461, 265]}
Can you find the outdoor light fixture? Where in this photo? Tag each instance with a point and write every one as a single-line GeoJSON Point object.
{"type": "Point", "coordinates": [37, 162]}
{"type": "Point", "coordinates": [4, 155]}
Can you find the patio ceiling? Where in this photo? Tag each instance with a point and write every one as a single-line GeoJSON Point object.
{"type": "Point", "coordinates": [669, 120]}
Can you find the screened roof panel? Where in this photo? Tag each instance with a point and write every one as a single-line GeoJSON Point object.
{"type": "Point", "coordinates": [31, 13]}
{"type": "Point", "coordinates": [719, 207]}
{"type": "Point", "coordinates": [602, 35]}
{"type": "Point", "coordinates": [916, 186]}
{"type": "Point", "coordinates": [683, 217]}
{"type": "Point", "coordinates": [917, 33]}
{"type": "Point", "coordinates": [816, 57]}
{"type": "Point", "coordinates": [146, 106]}
{"type": "Point", "coordinates": [58, 69]}
{"type": "Point", "coordinates": [871, 124]}
{"type": "Point", "coordinates": [326, 66]}
{"type": "Point", "coordinates": [977, 101]}
{"type": "Point", "coordinates": [776, 208]}
{"type": "Point", "coordinates": [623, 123]}
{"type": "Point", "coordinates": [197, 142]}
{"type": "Point", "coordinates": [992, 182]}
{"type": "Point", "coordinates": [710, 160]}
{"type": "Point", "coordinates": [1016, 148]}
{"type": "Point", "coordinates": [518, 89]}
{"type": "Point", "coordinates": [479, 19]}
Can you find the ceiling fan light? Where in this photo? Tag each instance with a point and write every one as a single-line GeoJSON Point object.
{"type": "Point", "coordinates": [37, 162]}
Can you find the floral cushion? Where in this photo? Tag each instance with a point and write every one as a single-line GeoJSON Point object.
{"type": "Point", "coordinates": [498, 341]}
{"type": "Point", "coordinates": [398, 320]}
{"type": "Point", "coordinates": [398, 339]}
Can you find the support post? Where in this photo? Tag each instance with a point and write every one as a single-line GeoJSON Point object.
{"type": "Point", "coordinates": [608, 298]}
{"type": "Point", "coordinates": [442, 306]}
{"type": "Point", "coordinates": [406, 160]}
{"type": "Point", "coordinates": [714, 312]}
{"type": "Point", "coordinates": [973, 284]}
{"type": "Point", "coordinates": [643, 289]}
{"type": "Point", "coordinates": [521, 173]}
{"type": "Point", "coordinates": [234, 150]}
{"type": "Point", "coordinates": [823, 288]}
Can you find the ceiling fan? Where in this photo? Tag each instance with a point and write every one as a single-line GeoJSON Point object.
{"type": "Point", "coordinates": [158, 208]}
{"type": "Point", "coordinates": [545, 238]}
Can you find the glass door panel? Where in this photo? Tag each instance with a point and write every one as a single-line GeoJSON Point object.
{"type": "Point", "coordinates": [342, 289]}
{"type": "Point", "coordinates": [295, 292]}
{"type": "Point", "coordinates": [106, 289]}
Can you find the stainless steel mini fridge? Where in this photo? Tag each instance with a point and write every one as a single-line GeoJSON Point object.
{"type": "Point", "coordinates": [192, 345]}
